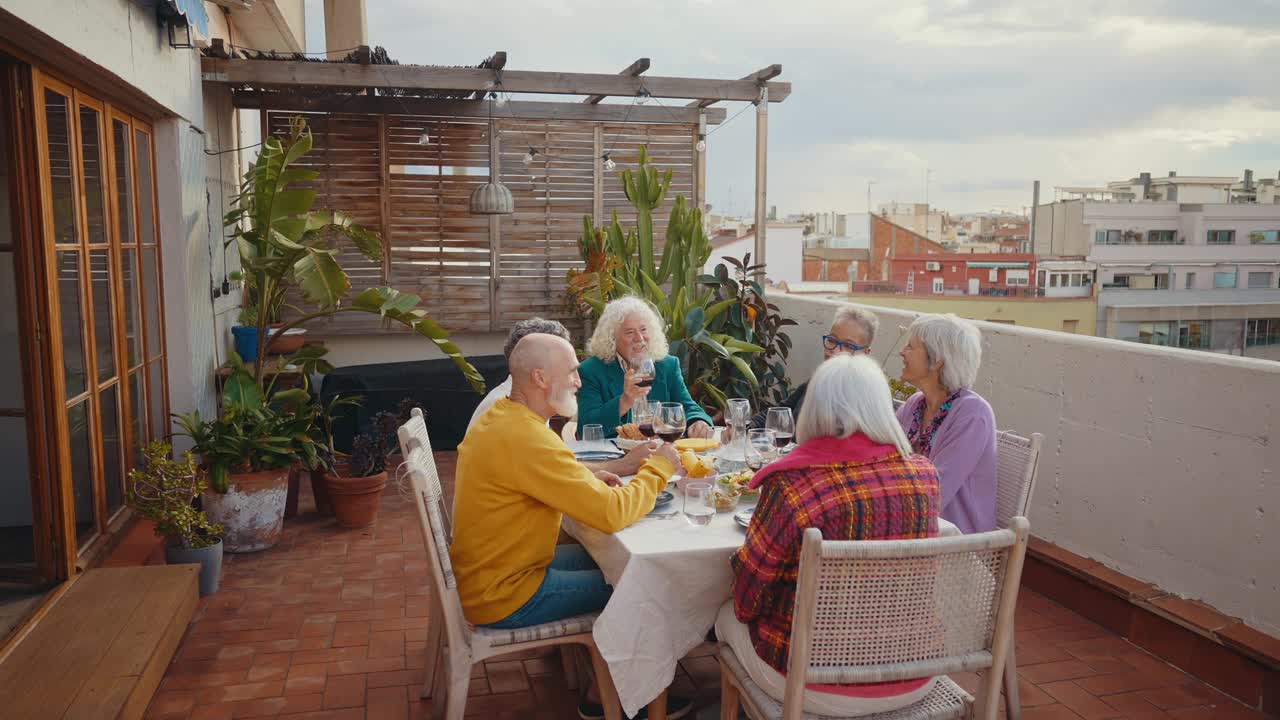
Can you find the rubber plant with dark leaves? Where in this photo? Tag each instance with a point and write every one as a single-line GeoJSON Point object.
{"type": "Point", "coordinates": [370, 450]}
{"type": "Point", "coordinates": [747, 320]}
{"type": "Point", "coordinates": [286, 244]}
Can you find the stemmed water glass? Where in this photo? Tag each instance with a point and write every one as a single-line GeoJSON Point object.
{"type": "Point", "coordinates": [779, 420]}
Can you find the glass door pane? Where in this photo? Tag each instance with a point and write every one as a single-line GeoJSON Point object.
{"type": "Point", "coordinates": [103, 306]}
{"type": "Point", "coordinates": [68, 274]}
{"type": "Point", "coordinates": [62, 194]}
{"type": "Point", "coordinates": [82, 471]}
{"type": "Point", "coordinates": [112, 455]}
{"type": "Point", "coordinates": [91, 158]}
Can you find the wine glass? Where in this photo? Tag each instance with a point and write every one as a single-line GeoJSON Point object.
{"type": "Point", "coordinates": [645, 371]}
{"type": "Point", "coordinates": [760, 450]}
{"type": "Point", "coordinates": [642, 414]}
{"type": "Point", "coordinates": [670, 422]}
{"type": "Point", "coordinates": [698, 509]}
{"type": "Point", "coordinates": [779, 420]}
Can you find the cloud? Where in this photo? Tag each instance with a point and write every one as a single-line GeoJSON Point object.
{"type": "Point", "coordinates": [989, 94]}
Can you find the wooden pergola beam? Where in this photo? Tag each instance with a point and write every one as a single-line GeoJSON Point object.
{"type": "Point", "coordinates": [635, 69]}
{"type": "Point", "coordinates": [521, 110]}
{"type": "Point", "coordinates": [238, 71]}
{"type": "Point", "coordinates": [497, 62]}
{"type": "Point", "coordinates": [763, 75]}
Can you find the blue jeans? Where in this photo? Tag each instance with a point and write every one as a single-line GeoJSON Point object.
{"type": "Point", "coordinates": [572, 586]}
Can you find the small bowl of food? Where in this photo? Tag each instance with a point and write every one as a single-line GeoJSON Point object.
{"type": "Point", "coordinates": [738, 482]}
{"type": "Point", "coordinates": [723, 500]}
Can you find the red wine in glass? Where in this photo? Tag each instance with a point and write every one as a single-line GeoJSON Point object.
{"type": "Point", "coordinates": [646, 429]}
{"type": "Point", "coordinates": [669, 435]}
{"type": "Point", "coordinates": [644, 382]}
{"type": "Point", "coordinates": [780, 440]}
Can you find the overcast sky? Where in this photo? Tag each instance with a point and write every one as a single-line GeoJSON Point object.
{"type": "Point", "coordinates": [990, 95]}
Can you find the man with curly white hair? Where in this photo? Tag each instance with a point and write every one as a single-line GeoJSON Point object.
{"type": "Point", "coordinates": [629, 331]}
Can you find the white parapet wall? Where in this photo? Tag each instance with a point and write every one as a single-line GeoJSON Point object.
{"type": "Point", "coordinates": [1163, 464]}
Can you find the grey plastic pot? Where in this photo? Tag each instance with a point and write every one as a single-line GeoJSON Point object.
{"type": "Point", "coordinates": [208, 558]}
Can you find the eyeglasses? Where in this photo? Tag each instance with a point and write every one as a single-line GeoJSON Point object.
{"type": "Point", "coordinates": [830, 342]}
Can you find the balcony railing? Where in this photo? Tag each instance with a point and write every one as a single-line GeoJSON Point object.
{"type": "Point", "coordinates": [925, 289]}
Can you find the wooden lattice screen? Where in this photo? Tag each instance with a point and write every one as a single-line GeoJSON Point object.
{"type": "Point", "coordinates": [416, 194]}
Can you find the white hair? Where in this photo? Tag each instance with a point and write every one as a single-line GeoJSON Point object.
{"type": "Point", "coordinates": [954, 341]}
{"type": "Point", "coordinates": [850, 394]}
{"type": "Point", "coordinates": [866, 319]}
{"type": "Point", "coordinates": [604, 341]}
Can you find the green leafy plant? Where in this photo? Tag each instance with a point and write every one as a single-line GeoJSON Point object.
{"type": "Point", "coordinates": [285, 244]}
{"type": "Point", "coordinates": [324, 415]}
{"type": "Point", "coordinates": [253, 433]}
{"type": "Point", "coordinates": [620, 263]}
{"type": "Point", "coordinates": [164, 491]}
{"type": "Point", "coordinates": [751, 331]}
{"type": "Point", "coordinates": [370, 450]}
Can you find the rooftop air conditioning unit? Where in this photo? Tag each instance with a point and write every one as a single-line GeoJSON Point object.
{"type": "Point", "coordinates": [933, 265]}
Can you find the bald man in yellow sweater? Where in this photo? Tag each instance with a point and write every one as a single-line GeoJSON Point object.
{"type": "Point", "coordinates": [515, 479]}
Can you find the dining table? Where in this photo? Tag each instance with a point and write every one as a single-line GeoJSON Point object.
{"type": "Point", "coordinates": [669, 580]}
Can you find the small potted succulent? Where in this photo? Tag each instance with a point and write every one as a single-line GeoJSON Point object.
{"type": "Point", "coordinates": [164, 491]}
{"type": "Point", "coordinates": [355, 487]}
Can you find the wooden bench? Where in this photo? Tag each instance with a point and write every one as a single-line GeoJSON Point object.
{"type": "Point", "coordinates": [103, 647]}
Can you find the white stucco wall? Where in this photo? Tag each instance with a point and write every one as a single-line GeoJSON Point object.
{"type": "Point", "coordinates": [784, 253]}
{"type": "Point", "coordinates": [1161, 463]}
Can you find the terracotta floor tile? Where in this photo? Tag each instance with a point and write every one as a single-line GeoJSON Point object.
{"type": "Point", "coordinates": [347, 634]}
{"type": "Point", "coordinates": [344, 691]}
{"type": "Point", "coordinates": [395, 677]}
{"type": "Point", "coordinates": [1079, 700]}
{"type": "Point", "coordinates": [386, 644]}
{"type": "Point", "coordinates": [389, 703]}
{"type": "Point", "coordinates": [1050, 712]}
{"type": "Point", "coordinates": [506, 677]}
{"type": "Point", "coordinates": [1183, 696]}
{"type": "Point", "coordinates": [1101, 685]}
{"type": "Point", "coordinates": [245, 691]}
{"type": "Point", "coordinates": [1134, 706]}
{"type": "Point", "coordinates": [1225, 711]}
{"type": "Point", "coordinates": [220, 711]}
{"type": "Point", "coordinates": [1052, 672]}
{"type": "Point", "coordinates": [270, 707]}
{"type": "Point", "coordinates": [370, 665]}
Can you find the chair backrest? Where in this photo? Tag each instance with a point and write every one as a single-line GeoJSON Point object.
{"type": "Point", "coordinates": [413, 435]}
{"type": "Point", "coordinates": [1016, 461]}
{"type": "Point", "coordinates": [882, 610]}
{"type": "Point", "coordinates": [429, 498]}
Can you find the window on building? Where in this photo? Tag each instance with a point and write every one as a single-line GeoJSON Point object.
{"type": "Point", "coordinates": [1108, 237]}
{"type": "Point", "coordinates": [1265, 237]}
{"type": "Point", "coordinates": [937, 286]}
{"type": "Point", "coordinates": [993, 275]}
{"type": "Point", "coordinates": [1193, 334]}
{"type": "Point", "coordinates": [1053, 280]}
{"type": "Point", "coordinates": [1161, 281]}
{"type": "Point", "coordinates": [1070, 325]}
{"type": "Point", "coordinates": [1162, 237]}
{"type": "Point", "coordinates": [1076, 279]}
{"type": "Point", "coordinates": [1119, 280]}
{"type": "Point", "coordinates": [1190, 279]}
{"type": "Point", "coordinates": [1224, 279]}
{"type": "Point", "coordinates": [1260, 280]}
{"type": "Point", "coordinates": [1222, 237]}
{"type": "Point", "coordinates": [1142, 282]}
{"type": "Point", "coordinates": [1018, 278]}
{"type": "Point", "coordinates": [1262, 331]}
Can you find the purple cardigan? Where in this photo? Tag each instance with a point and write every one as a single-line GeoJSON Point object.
{"type": "Point", "coordinates": [964, 451]}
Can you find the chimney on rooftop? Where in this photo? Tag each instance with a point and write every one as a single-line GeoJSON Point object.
{"type": "Point", "coordinates": [1144, 179]}
{"type": "Point", "coordinates": [1173, 173]}
{"type": "Point", "coordinates": [1248, 180]}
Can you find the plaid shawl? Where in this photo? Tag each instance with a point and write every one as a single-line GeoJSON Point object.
{"type": "Point", "coordinates": [861, 491]}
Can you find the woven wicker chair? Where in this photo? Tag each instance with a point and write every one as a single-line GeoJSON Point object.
{"type": "Point", "coordinates": [1017, 458]}
{"type": "Point", "coordinates": [882, 610]}
{"type": "Point", "coordinates": [461, 646]}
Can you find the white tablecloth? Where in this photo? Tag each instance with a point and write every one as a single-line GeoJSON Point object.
{"type": "Point", "coordinates": [669, 580]}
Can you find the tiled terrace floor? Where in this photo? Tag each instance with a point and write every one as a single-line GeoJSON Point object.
{"type": "Point", "coordinates": [332, 624]}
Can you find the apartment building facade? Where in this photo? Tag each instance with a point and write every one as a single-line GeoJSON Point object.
{"type": "Point", "coordinates": [1195, 275]}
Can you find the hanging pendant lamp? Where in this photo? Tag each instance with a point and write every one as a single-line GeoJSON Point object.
{"type": "Point", "coordinates": [492, 198]}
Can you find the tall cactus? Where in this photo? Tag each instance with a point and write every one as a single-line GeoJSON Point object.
{"type": "Point", "coordinates": [645, 191]}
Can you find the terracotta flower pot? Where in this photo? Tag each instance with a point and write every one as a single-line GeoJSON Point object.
{"type": "Point", "coordinates": [290, 342]}
{"type": "Point", "coordinates": [320, 491]}
{"type": "Point", "coordinates": [355, 500]}
{"type": "Point", "coordinates": [251, 512]}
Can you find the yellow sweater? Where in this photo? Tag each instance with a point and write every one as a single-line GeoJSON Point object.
{"type": "Point", "coordinates": [515, 478]}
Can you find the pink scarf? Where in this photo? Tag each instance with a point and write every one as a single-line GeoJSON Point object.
{"type": "Point", "coordinates": [826, 451]}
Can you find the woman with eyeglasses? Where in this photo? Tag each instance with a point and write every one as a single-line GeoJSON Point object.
{"type": "Point", "coordinates": [852, 332]}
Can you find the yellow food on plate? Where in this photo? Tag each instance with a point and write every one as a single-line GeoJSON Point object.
{"type": "Point", "coordinates": [724, 501]}
{"type": "Point", "coordinates": [696, 466]}
{"type": "Point", "coordinates": [697, 444]}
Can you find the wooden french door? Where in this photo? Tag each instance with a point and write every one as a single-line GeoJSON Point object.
{"type": "Point", "coordinates": [101, 290]}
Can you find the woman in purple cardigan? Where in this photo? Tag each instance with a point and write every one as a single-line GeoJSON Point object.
{"type": "Point", "coordinates": [947, 421]}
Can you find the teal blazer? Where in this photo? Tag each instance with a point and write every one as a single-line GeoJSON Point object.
{"type": "Point", "coordinates": [602, 391]}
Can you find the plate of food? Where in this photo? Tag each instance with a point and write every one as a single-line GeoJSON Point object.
{"type": "Point", "coordinates": [629, 436]}
{"type": "Point", "coordinates": [743, 517]}
{"type": "Point", "coordinates": [737, 482]}
{"type": "Point", "coordinates": [664, 498]}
